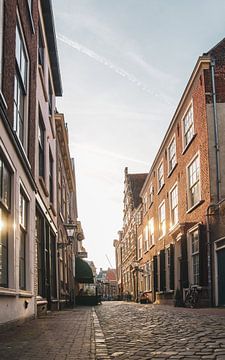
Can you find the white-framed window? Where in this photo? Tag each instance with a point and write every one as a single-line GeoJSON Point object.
{"type": "Point", "coordinates": [139, 217]}
{"type": "Point", "coordinates": [146, 241]}
{"type": "Point", "coordinates": [172, 158]}
{"type": "Point", "coordinates": [23, 221]}
{"type": "Point", "coordinates": [188, 126]}
{"type": "Point", "coordinates": [174, 206]}
{"type": "Point", "coordinates": [194, 239]}
{"type": "Point", "coordinates": [1, 38]}
{"type": "Point", "coordinates": [21, 87]}
{"type": "Point", "coordinates": [151, 232]}
{"type": "Point", "coordinates": [193, 183]}
{"type": "Point", "coordinates": [160, 174]}
{"type": "Point", "coordinates": [139, 246]}
{"type": "Point", "coordinates": [151, 194]}
{"type": "Point", "coordinates": [162, 219]}
{"type": "Point", "coordinates": [145, 203]}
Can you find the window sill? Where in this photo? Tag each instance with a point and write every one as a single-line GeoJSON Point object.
{"type": "Point", "coordinates": [172, 170]}
{"type": "Point", "coordinates": [200, 202]}
{"type": "Point", "coordinates": [173, 227]}
{"type": "Point", "coordinates": [162, 236]}
{"type": "Point", "coordinates": [25, 294]}
{"type": "Point", "coordinates": [7, 292]}
{"type": "Point", "coordinates": [190, 142]}
{"type": "Point", "coordinates": [151, 246]}
{"type": "Point", "coordinates": [42, 182]}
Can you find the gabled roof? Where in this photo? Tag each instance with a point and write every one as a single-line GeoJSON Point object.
{"type": "Point", "coordinates": [136, 183]}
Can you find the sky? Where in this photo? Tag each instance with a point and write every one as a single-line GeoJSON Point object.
{"type": "Point", "coordinates": [124, 67]}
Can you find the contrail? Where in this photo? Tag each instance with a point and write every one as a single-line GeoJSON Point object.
{"type": "Point", "coordinates": [82, 49]}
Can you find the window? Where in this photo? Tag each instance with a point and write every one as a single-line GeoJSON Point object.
{"type": "Point", "coordinates": [151, 194]}
{"type": "Point", "coordinates": [139, 217]}
{"type": "Point", "coordinates": [50, 96]}
{"type": "Point", "coordinates": [195, 256]}
{"type": "Point", "coordinates": [5, 195]}
{"type": "Point", "coordinates": [23, 237]}
{"type": "Point", "coordinates": [172, 155]}
{"type": "Point", "coordinates": [162, 220]}
{"type": "Point", "coordinates": [145, 203]}
{"type": "Point", "coordinates": [139, 247]}
{"type": "Point", "coordinates": [51, 175]}
{"type": "Point", "coordinates": [160, 176]}
{"type": "Point", "coordinates": [168, 268]}
{"type": "Point", "coordinates": [188, 126]}
{"type": "Point", "coordinates": [1, 38]}
{"type": "Point", "coordinates": [41, 142]}
{"type": "Point", "coordinates": [194, 182]}
{"type": "Point", "coordinates": [41, 48]}
{"type": "Point", "coordinates": [151, 232]}
{"type": "Point", "coordinates": [146, 243]}
{"type": "Point", "coordinates": [174, 206]}
{"type": "Point", "coordinates": [20, 87]}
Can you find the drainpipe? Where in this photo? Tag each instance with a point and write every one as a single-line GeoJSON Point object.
{"type": "Point", "coordinates": [216, 135]}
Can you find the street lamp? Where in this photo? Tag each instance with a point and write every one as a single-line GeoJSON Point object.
{"type": "Point", "coordinates": [70, 229]}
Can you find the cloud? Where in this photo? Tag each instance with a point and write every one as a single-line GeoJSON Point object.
{"type": "Point", "coordinates": [103, 152]}
{"type": "Point", "coordinates": [100, 59]}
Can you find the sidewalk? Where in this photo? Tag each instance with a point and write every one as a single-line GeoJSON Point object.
{"type": "Point", "coordinates": [61, 335]}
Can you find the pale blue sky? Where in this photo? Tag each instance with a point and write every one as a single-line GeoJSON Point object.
{"type": "Point", "coordinates": [124, 66]}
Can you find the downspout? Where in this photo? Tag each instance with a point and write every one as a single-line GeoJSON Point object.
{"type": "Point", "coordinates": [216, 134]}
{"type": "Point", "coordinates": [209, 254]}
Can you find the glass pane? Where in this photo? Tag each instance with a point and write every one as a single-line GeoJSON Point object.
{"type": "Point", "coordinates": [6, 187]}
{"type": "Point", "coordinates": [22, 270]}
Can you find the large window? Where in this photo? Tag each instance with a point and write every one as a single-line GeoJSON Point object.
{"type": "Point", "coordinates": [41, 146]}
{"type": "Point", "coordinates": [146, 241]}
{"type": "Point", "coordinates": [172, 155]}
{"type": "Point", "coordinates": [162, 220]}
{"type": "Point", "coordinates": [23, 239]}
{"type": "Point", "coordinates": [41, 48]}
{"type": "Point", "coordinates": [188, 126]}
{"type": "Point", "coordinates": [194, 195]}
{"type": "Point", "coordinates": [160, 176]}
{"type": "Point", "coordinates": [195, 256]}
{"type": "Point", "coordinates": [151, 232]}
{"type": "Point", "coordinates": [5, 194]}
{"type": "Point", "coordinates": [174, 206]}
{"type": "Point", "coordinates": [20, 87]}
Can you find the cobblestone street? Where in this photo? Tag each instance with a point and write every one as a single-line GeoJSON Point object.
{"type": "Point", "coordinates": [118, 330]}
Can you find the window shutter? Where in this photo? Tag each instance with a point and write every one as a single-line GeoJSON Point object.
{"type": "Point", "coordinates": [203, 271]}
{"type": "Point", "coordinates": [184, 263]}
{"type": "Point", "coordinates": [171, 267]}
{"type": "Point", "coordinates": [155, 272]}
{"type": "Point", "coordinates": [162, 271]}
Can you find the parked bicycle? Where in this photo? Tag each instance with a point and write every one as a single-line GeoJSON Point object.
{"type": "Point", "coordinates": [192, 296]}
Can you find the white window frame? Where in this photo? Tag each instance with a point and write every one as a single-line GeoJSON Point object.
{"type": "Point", "coordinates": [151, 194]}
{"type": "Point", "coordinates": [26, 90]}
{"type": "Point", "coordinates": [146, 238]}
{"type": "Point", "coordinates": [145, 203]}
{"type": "Point", "coordinates": [162, 222]}
{"type": "Point", "coordinates": [189, 187]}
{"type": "Point", "coordinates": [140, 239]}
{"type": "Point", "coordinates": [189, 107]}
{"type": "Point", "coordinates": [174, 156]}
{"type": "Point", "coordinates": [192, 254]}
{"type": "Point", "coordinates": [151, 232]}
{"type": "Point", "coordinates": [160, 177]}
{"type": "Point", "coordinates": [172, 223]}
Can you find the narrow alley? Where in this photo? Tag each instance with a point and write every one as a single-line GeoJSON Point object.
{"type": "Point", "coordinates": [119, 330]}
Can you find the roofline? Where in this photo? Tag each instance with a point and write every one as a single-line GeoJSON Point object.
{"type": "Point", "coordinates": [202, 60]}
{"type": "Point", "coordinates": [48, 17]}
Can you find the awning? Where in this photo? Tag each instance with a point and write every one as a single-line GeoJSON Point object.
{"type": "Point", "coordinates": [83, 272]}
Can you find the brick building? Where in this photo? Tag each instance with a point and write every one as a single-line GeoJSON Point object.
{"type": "Point", "coordinates": [175, 219]}
{"type": "Point", "coordinates": [18, 51]}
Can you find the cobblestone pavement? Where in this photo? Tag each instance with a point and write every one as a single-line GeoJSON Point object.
{"type": "Point", "coordinates": [61, 335]}
{"type": "Point", "coordinates": [119, 330]}
{"type": "Point", "coordinates": [135, 332]}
